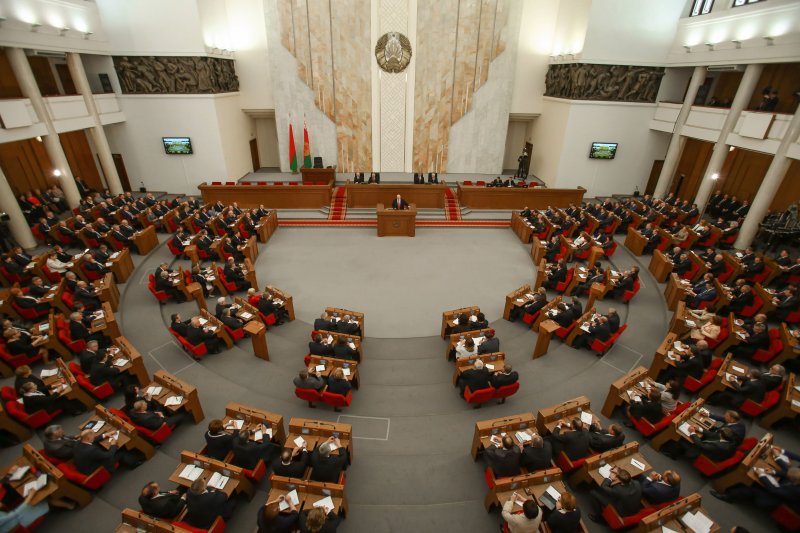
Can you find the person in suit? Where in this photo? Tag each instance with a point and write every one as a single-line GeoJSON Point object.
{"type": "Point", "coordinates": [689, 364]}
{"type": "Point", "coordinates": [706, 293]}
{"type": "Point", "coordinates": [526, 522]}
{"type": "Point", "coordinates": [556, 273]}
{"type": "Point", "coordinates": [231, 321]}
{"type": "Point", "coordinates": [785, 303]}
{"type": "Point", "coordinates": [338, 383]}
{"type": "Point", "coordinates": [626, 282]}
{"type": "Point", "coordinates": [87, 296]}
{"type": "Point", "coordinates": [594, 275]}
{"type": "Point", "coordinates": [730, 419]}
{"type": "Point", "coordinates": [504, 460]}
{"type": "Point", "coordinates": [476, 378]}
{"type": "Point", "coordinates": [564, 316]}
{"type": "Point", "coordinates": [325, 466]}
{"type": "Point", "coordinates": [574, 443]}
{"type": "Point", "coordinates": [181, 327]}
{"type": "Point", "coordinates": [319, 520]}
{"type": "Point", "coordinates": [374, 177]}
{"type": "Point", "coordinates": [28, 302]}
{"type": "Point", "coordinates": [399, 203]}
{"type": "Point", "coordinates": [490, 344]}
{"type": "Point", "coordinates": [248, 452]}
{"type": "Point", "coordinates": [466, 349]}
{"type": "Point", "coordinates": [603, 440]}
{"type": "Point", "coordinates": [661, 488]}
{"type": "Point", "coordinates": [342, 350]}
{"type": "Point", "coordinates": [358, 177]}
{"type": "Point", "coordinates": [222, 305]}
{"type": "Point", "coordinates": [648, 408]}
{"type": "Point", "coordinates": [37, 288]}
{"type": "Point", "coordinates": [197, 334]}
{"type": "Point", "coordinates": [234, 274]}
{"type": "Point", "coordinates": [204, 505]}
{"type": "Point", "coordinates": [534, 306]}
{"type": "Point", "coordinates": [417, 178]}
{"type": "Point", "coordinates": [24, 374]}
{"type": "Point", "coordinates": [504, 377]}
{"type": "Point", "coordinates": [773, 377]}
{"type": "Point", "coordinates": [57, 444]}
{"type": "Point", "coordinates": [143, 415]}
{"type": "Point", "coordinates": [309, 378]}
{"type": "Point", "coordinates": [750, 387]}
{"type": "Point", "coordinates": [165, 505]}
{"type": "Point", "coordinates": [433, 177]}
{"type": "Point", "coordinates": [599, 329]}
{"type": "Point", "coordinates": [324, 323]}
{"type": "Point", "coordinates": [716, 450]}
{"type": "Point", "coordinates": [619, 490]}
{"type": "Point", "coordinates": [271, 519]}
{"type": "Point", "coordinates": [567, 517]}
{"type": "Point", "coordinates": [738, 302]}
{"type": "Point", "coordinates": [349, 326]}
{"type": "Point", "coordinates": [747, 347]}
{"type": "Point", "coordinates": [537, 454]}
{"type": "Point", "coordinates": [93, 266]}
{"type": "Point", "coordinates": [103, 371]}
{"type": "Point", "coordinates": [164, 284]}
{"type": "Point", "coordinates": [682, 265]}
{"type": "Point", "coordinates": [18, 343]}
{"type": "Point", "coordinates": [317, 347]}
{"type": "Point", "coordinates": [218, 441]}
{"type": "Point", "coordinates": [291, 463]}
{"type": "Point", "coordinates": [89, 455]}
{"type": "Point", "coordinates": [33, 400]}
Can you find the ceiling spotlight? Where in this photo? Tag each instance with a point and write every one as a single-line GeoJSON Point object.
{"type": "Point", "coordinates": [2, 20]}
{"type": "Point", "coordinates": [62, 32]}
{"type": "Point", "coordinates": [57, 173]}
{"type": "Point", "coordinates": [224, 51]}
{"type": "Point", "coordinates": [710, 47]}
{"type": "Point", "coordinates": [687, 48]}
{"type": "Point", "coordinates": [715, 176]}
{"type": "Point", "coordinates": [770, 40]}
{"type": "Point", "coordinates": [87, 34]}
{"type": "Point", "coordinates": [35, 27]}
{"type": "Point", "coordinates": [215, 50]}
{"type": "Point", "coordinates": [736, 43]}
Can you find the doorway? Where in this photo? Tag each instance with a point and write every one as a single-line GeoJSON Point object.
{"type": "Point", "coordinates": [655, 172]}
{"type": "Point", "coordinates": [254, 154]}
{"type": "Point", "coordinates": [123, 174]}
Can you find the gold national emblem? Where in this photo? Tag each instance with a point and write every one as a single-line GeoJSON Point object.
{"type": "Point", "coordinates": [393, 52]}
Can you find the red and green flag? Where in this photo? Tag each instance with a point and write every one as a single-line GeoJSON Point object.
{"type": "Point", "coordinates": [306, 147]}
{"type": "Point", "coordinates": [292, 152]}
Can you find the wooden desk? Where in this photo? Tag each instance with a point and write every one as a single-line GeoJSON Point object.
{"type": "Point", "coordinates": [318, 175]}
{"type": "Point", "coordinates": [397, 223]}
{"type": "Point", "coordinates": [691, 415]}
{"type": "Point", "coordinates": [494, 362]}
{"type": "Point", "coordinates": [253, 416]}
{"type": "Point", "coordinates": [172, 386]}
{"type": "Point", "coordinates": [660, 266]}
{"type": "Point", "coordinates": [546, 330]}
{"type": "Point", "coordinates": [789, 352]}
{"type": "Point", "coordinates": [541, 273]}
{"type": "Point", "coordinates": [517, 198]}
{"type": "Point", "coordinates": [787, 408]}
{"type": "Point", "coordinates": [618, 391]}
{"type": "Point", "coordinates": [128, 438]}
{"type": "Point", "coordinates": [662, 358]}
{"type": "Point", "coordinates": [499, 426]}
{"type": "Point", "coordinates": [216, 327]}
{"type": "Point", "coordinates": [679, 325]}
{"type": "Point", "coordinates": [538, 251]}
{"type": "Point", "coordinates": [743, 473]}
{"type": "Point", "coordinates": [146, 240]}
{"type": "Point", "coordinates": [258, 337]}
{"type": "Point", "coordinates": [456, 339]}
{"type": "Point", "coordinates": [671, 516]}
{"type": "Point", "coordinates": [48, 329]}
{"type": "Point", "coordinates": [107, 290]}
{"type": "Point", "coordinates": [266, 226]}
{"type": "Point", "coordinates": [518, 298]}
{"type": "Point", "coordinates": [138, 522]}
{"type": "Point", "coordinates": [370, 194]}
{"type": "Point", "coordinates": [543, 313]}
{"type": "Point", "coordinates": [271, 196]}
{"type": "Point", "coordinates": [331, 364]}
{"type": "Point", "coordinates": [728, 370]}
{"type": "Point", "coordinates": [69, 387]}
{"type": "Point", "coordinates": [121, 265]}
{"type": "Point", "coordinates": [337, 313]}
{"type": "Point", "coordinates": [135, 364]}
{"type": "Point", "coordinates": [635, 241]}
{"type": "Point", "coordinates": [105, 321]}
{"type": "Point", "coordinates": [316, 432]}
{"type": "Point", "coordinates": [308, 492]}
{"type": "Point", "coordinates": [676, 290]}
{"type": "Point", "coordinates": [529, 486]}
{"type": "Point", "coordinates": [237, 481]}
{"type": "Point", "coordinates": [449, 318]}
{"type": "Point", "coordinates": [622, 457]}
{"type": "Point", "coordinates": [353, 341]}
{"type": "Point", "coordinates": [521, 227]}
{"type": "Point", "coordinates": [58, 486]}
{"type": "Point", "coordinates": [548, 417]}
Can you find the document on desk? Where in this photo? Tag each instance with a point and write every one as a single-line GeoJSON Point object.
{"type": "Point", "coordinates": [238, 424]}
{"type": "Point", "coordinates": [291, 496]}
{"type": "Point", "coordinates": [551, 490]}
{"type": "Point", "coordinates": [346, 371]}
{"type": "Point", "coordinates": [665, 529]}
{"type": "Point", "coordinates": [47, 373]}
{"type": "Point", "coordinates": [173, 400]}
{"type": "Point", "coordinates": [202, 321]}
{"type": "Point", "coordinates": [246, 315]}
{"type": "Point", "coordinates": [697, 522]}
{"type": "Point", "coordinates": [218, 481]}
{"type": "Point", "coordinates": [523, 436]}
{"type": "Point", "coordinates": [605, 471]}
{"type": "Point", "coordinates": [320, 368]}
{"type": "Point", "coordinates": [190, 472]}
{"type": "Point", "coordinates": [489, 367]}
{"type": "Point", "coordinates": [690, 323]}
{"type": "Point", "coordinates": [98, 426]}
{"type": "Point", "coordinates": [258, 435]}
{"type": "Point", "coordinates": [684, 428]}
{"type": "Point", "coordinates": [638, 464]}
{"type": "Point", "coordinates": [19, 473]}
{"type": "Point", "coordinates": [153, 391]}
{"type": "Point", "coordinates": [326, 503]}
{"type": "Point", "coordinates": [38, 484]}
{"type": "Point", "coordinates": [585, 327]}
{"type": "Point", "coordinates": [586, 417]}
{"type": "Point", "coordinates": [120, 362]}
{"type": "Point", "coordinates": [737, 369]}
{"type": "Point", "coordinates": [44, 327]}
{"type": "Point", "coordinates": [299, 442]}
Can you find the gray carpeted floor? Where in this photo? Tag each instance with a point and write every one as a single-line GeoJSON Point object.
{"type": "Point", "coordinates": [412, 470]}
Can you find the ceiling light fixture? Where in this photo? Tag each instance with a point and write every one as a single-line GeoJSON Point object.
{"type": "Point", "coordinates": [687, 48]}
{"type": "Point", "coordinates": [737, 44]}
{"type": "Point", "coordinates": [62, 32]}
{"type": "Point", "coordinates": [710, 47]}
{"type": "Point", "coordinates": [87, 34]}
{"type": "Point", "coordinates": [770, 40]}
{"type": "Point", "coordinates": [35, 27]}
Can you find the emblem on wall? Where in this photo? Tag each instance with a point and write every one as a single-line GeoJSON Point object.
{"type": "Point", "coordinates": [393, 52]}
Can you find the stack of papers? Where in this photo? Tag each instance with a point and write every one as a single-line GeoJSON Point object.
{"type": "Point", "coordinates": [605, 471]}
{"type": "Point", "coordinates": [737, 369]}
{"type": "Point", "coordinates": [346, 371]}
{"type": "Point", "coordinates": [174, 400]}
{"type": "Point", "coordinates": [121, 362]}
{"type": "Point", "coordinates": [153, 391]}
{"type": "Point", "coordinates": [258, 435]}
{"type": "Point", "coordinates": [326, 503]}
{"type": "Point", "coordinates": [523, 436]}
{"type": "Point", "coordinates": [638, 464]}
{"type": "Point", "coordinates": [44, 327]}
{"type": "Point", "coordinates": [19, 473]}
{"type": "Point", "coordinates": [40, 482]}
{"type": "Point", "coordinates": [697, 522]}
{"type": "Point", "coordinates": [238, 424]}
{"type": "Point", "coordinates": [246, 315]}
{"type": "Point", "coordinates": [98, 426]}
{"type": "Point", "coordinates": [553, 493]}
{"type": "Point", "coordinates": [320, 368]}
{"type": "Point", "coordinates": [684, 428]}
{"type": "Point", "coordinates": [299, 442]}
{"type": "Point", "coordinates": [586, 417]}
{"type": "Point", "coordinates": [489, 367]}
{"type": "Point", "coordinates": [218, 481]}
{"type": "Point", "coordinates": [292, 496]}
{"type": "Point", "coordinates": [47, 373]}
{"type": "Point", "coordinates": [191, 472]}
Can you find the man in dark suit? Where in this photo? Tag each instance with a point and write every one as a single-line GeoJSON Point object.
{"type": "Point", "coordinates": [325, 466]}
{"type": "Point", "coordinates": [89, 455]}
{"type": "Point", "coordinates": [625, 282]}
{"type": "Point", "coordinates": [323, 323]}
{"type": "Point", "coordinates": [181, 327]}
{"type": "Point", "coordinates": [533, 307]}
{"type": "Point", "coordinates": [433, 177]}
{"type": "Point", "coordinates": [738, 302]}
{"type": "Point", "coordinates": [79, 331]}
{"type": "Point", "coordinates": [234, 274]}
{"type": "Point", "coordinates": [87, 295]}
{"type": "Point", "coordinates": [691, 364]}
{"type": "Point", "coordinates": [602, 440]}
{"type": "Point", "coordinates": [476, 378]}
{"type": "Point", "coordinates": [490, 344]}
{"type": "Point", "coordinates": [748, 388]}
{"type": "Point", "coordinates": [502, 378]}
{"type": "Point", "coordinates": [758, 340]}
{"type": "Point", "coordinates": [785, 303]}
{"type": "Point", "coordinates": [399, 203]}
{"type": "Point", "coordinates": [773, 377]}
{"type": "Point", "coordinates": [775, 486]}
{"type": "Point", "coordinates": [716, 450]}
{"type": "Point", "coordinates": [707, 293]}
{"type": "Point", "coordinates": [648, 408]}
{"type": "Point", "coordinates": [537, 454]}
{"type": "Point", "coordinates": [504, 460]}
{"type": "Point", "coordinates": [93, 266]}
{"type": "Point", "coordinates": [342, 349]}
{"type": "Point", "coordinates": [619, 490]}
{"type": "Point", "coordinates": [196, 334]}
{"type": "Point", "coordinates": [661, 488]}
{"type": "Point", "coordinates": [291, 463]}
{"type": "Point", "coordinates": [564, 316]}
{"type": "Point", "coordinates": [204, 505]}
{"type": "Point", "coordinates": [572, 438]}
{"type": "Point", "coordinates": [152, 420]}
{"type": "Point", "coordinates": [164, 284]}
{"type": "Point", "coordinates": [218, 441]}
{"type": "Point", "coordinates": [349, 326]}
{"type": "Point", "coordinates": [556, 274]}
{"type": "Point", "coordinates": [231, 321]}
{"type": "Point", "coordinates": [127, 241]}
{"type": "Point", "coordinates": [598, 330]}
{"type": "Point", "coordinates": [317, 347]}
{"type": "Point", "coordinates": [57, 444]}
{"type": "Point", "coordinates": [165, 505]}
{"type": "Point", "coordinates": [248, 452]}
{"type": "Point", "coordinates": [732, 420]}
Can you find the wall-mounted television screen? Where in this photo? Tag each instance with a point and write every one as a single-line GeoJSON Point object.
{"type": "Point", "coordinates": [177, 145]}
{"type": "Point", "coordinates": [603, 151]}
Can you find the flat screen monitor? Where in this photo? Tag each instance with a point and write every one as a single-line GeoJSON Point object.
{"type": "Point", "coordinates": [177, 145]}
{"type": "Point", "coordinates": [603, 151]}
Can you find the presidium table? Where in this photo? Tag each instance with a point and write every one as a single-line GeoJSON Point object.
{"type": "Point", "coordinates": [397, 222]}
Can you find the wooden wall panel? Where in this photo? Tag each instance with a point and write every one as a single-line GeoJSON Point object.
{"type": "Point", "coordinates": [743, 172]}
{"type": "Point", "coordinates": [9, 88]}
{"type": "Point", "coordinates": [727, 85]}
{"type": "Point", "coordinates": [43, 73]}
{"type": "Point", "coordinates": [785, 77]}
{"type": "Point", "coordinates": [26, 165]}
{"type": "Point", "coordinates": [80, 158]}
{"type": "Point", "coordinates": [789, 191]}
{"type": "Point", "coordinates": [693, 163]}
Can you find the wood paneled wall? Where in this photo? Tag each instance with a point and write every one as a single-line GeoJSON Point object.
{"type": "Point", "coordinates": [789, 191]}
{"type": "Point", "coordinates": [79, 156]}
{"type": "Point", "coordinates": [727, 85]}
{"type": "Point", "coordinates": [743, 172]}
{"type": "Point", "coordinates": [9, 88]}
{"type": "Point", "coordinates": [785, 77]}
{"type": "Point", "coordinates": [43, 73]}
{"type": "Point", "coordinates": [26, 165]}
{"type": "Point", "coordinates": [693, 163]}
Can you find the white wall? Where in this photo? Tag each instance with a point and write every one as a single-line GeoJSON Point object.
{"type": "Point", "coordinates": [626, 124]}
{"type": "Point", "coordinates": [78, 16]}
{"type": "Point", "coordinates": [673, 84]}
{"type": "Point", "coordinates": [515, 141]}
{"type": "Point", "coordinates": [547, 138]}
{"type": "Point", "coordinates": [535, 44]}
{"type": "Point", "coordinates": [249, 38]}
{"type": "Point", "coordinates": [571, 24]}
{"type": "Point", "coordinates": [95, 65]}
{"type": "Point", "coordinates": [236, 129]}
{"type": "Point", "coordinates": [267, 137]}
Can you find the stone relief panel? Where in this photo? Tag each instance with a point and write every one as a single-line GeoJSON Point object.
{"type": "Point", "coordinates": [175, 75]}
{"type": "Point", "coordinates": [620, 83]}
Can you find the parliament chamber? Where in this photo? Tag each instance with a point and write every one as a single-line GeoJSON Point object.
{"type": "Point", "coordinates": [571, 227]}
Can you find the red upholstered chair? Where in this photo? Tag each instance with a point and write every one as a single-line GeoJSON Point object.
{"type": "Point", "coordinates": [93, 481]}
{"type": "Point", "coordinates": [501, 393]}
{"type": "Point", "coordinates": [230, 287]}
{"type": "Point", "coordinates": [793, 317]}
{"type": "Point", "coordinates": [100, 392]}
{"type": "Point", "coordinates": [723, 334]}
{"type": "Point", "coordinates": [195, 350]}
{"type": "Point", "coordinates": [157, 437]}
{"type": "Point", "coordinates": [53, 277]}
{"type": "Point", "coordinates": [562, 333]}
{"type": "Point", "coordinates": [530, 318]}
{"type": "Point", "coordinates": [161, 296]}
{"type": "Point", "coordinates": [28, 314]}
{"type": "Point", "coordinates": [75, 346]}
{"type": "Point", "coordinates": [647, 429]}
{"type": "Point", "coordinates": [309, 395]}
{"type": "Point", "coordinates": [174, 249]}
{"type": "Point", "coordinates": [230, 183]}
{"type": "Point", "coordinates": [277, 183]}
{"type": "Point", "coordinates": [692, 271]}
{"type": "Point", "coordinates": [775, 347]}
{"type": "Point", "coordinates": [257, 473]}
{"type": "Point", "coordinates": [694, 385]}
{"type": "Point", "coordinates": [786, 517]}
{"type": "Point", "coordinates": [253, 300]}
{"type": "Point", "coordinates": [16, 361]}
{"type": "Point", "coordinates": [627, 296]}
{"type": "Point", "coordinates": [567, 465]}
{"type": "Point", "coordinates": [771, 399]}
{"type": "Point", "coordinates": [761, 276]}
{"type": "Point", "coordinates": [562, 286]}
{"type": "Point", "coordinates": [68, 298]}
{"type": "Point", "coordinates": [337, 400]}
{"type": "Point", "coordinates": [751, 310]}
{"type": "Point", "coordinates": [37, 233]}
{"type": "Point", "coordinates": [91, 275]}
{"type": "Point", "coordinates": [617, 522]}
{"type": "Point", "coordinates": [236, 334]}
{"type": "Point", "coordinates": [216, 183]}
{"type": "Point", "coordinates": [488, 475]}
{"type": "Point", "coordinates": [479, 397]}
{"type": "Point", "coordinates": [268, 320]}
{"type": "Point", "coordinates": [17, 411]}
{"type": "Point", "coordinates": [725, 276]}
{"type": "Point", "coordinates": [611, 249]}
{"type": "Point", "coordinates": [294, 183]}
{"type": "Point", "coordinates": [13, 278]}
{"type": "Point", "coordinates": [217, 527]}
{"type": "Point", "coordinates": [55, 460]}
{"type": "Point", "coordinates": [467, 182]}
{"type": "Point", "coordinates": [262, 183]}
{"type": "Point", "coordinates": [709, 468]}
{"type": "Point", "coordinates": [602, 347]}
{"type": "Point", "coordinates": [728, 240]}
{"type": "Point", "coordinates": [244, 231]}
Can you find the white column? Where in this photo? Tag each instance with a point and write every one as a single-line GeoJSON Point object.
{"type": "Point", "coordinates": [27, 83]}
{"type": "Point", "coordinates": [676, 142]}
{"type": "Point", "coordinates": [97, 132]}
{"type": "Point", "coordinates": [721, 149]}
{"type": "Point", "coordinates": [17, 224]}
{"type": "Point", "coordinates": [769, 187]}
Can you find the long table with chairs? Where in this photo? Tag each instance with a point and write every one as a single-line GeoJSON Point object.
{"type": "Point", "coordinates": [517, 197]}
{"type": "Point", "coordinates": [275, 196]}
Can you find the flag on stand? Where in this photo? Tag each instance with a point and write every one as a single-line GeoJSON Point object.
{"type": "Point", "coordinates": [292, 152]}
{"type": "Point", "coordinates": [306, 147]}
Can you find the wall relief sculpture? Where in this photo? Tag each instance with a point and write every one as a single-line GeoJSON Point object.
{"type": "Point", "coordinates": [175, 75]}
{"type": "Point", "coordinates": [583, 81]}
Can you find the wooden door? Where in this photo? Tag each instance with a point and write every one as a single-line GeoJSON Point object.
{"type": "Point", "coordinates": [66, 78]}
{"type": "Point", "coordinates": [44, 75]}
{"type": "Point", "coordinates": [123, 174]}
{"type": "Point", "coordinates": [655, 172]}
{"type": "Point", "coordinates": [692, 165]}
{"type": "Point", "coordinates": [80, 158]}
{"type": "Point", "coordinates": [254, 154]}
{"type": "Point", "coordinates": [529, 149]}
